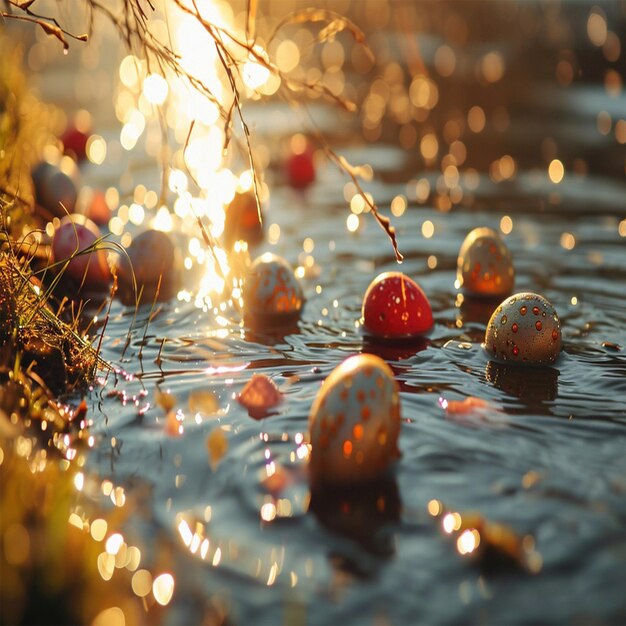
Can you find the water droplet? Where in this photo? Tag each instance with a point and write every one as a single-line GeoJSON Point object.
{"type": "Point", "coordinates": [514, 327]}
{"type": "Point", "coordinates": [523, 310]}
{"type": "Point", "coordinates": [503, 320]}
{"type": "Point", "coordinates": [538, 325]}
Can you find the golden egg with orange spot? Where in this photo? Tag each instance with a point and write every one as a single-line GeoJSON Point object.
{"type": "Point", "coordinates": [271, 292]}
{"type": "Point", "coordinates": [484, 265]}
{"type": "Point", "coordinates": [355, 422]}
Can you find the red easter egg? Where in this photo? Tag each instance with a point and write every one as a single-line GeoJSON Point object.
{"type": "Point", "coordinates": [301, 169]}
{"type": "Point", "coordinates": [75, 142]}
{"type": "Point", "coordinates": [394, 306]}
{"type": "Point", "coordinates": [75, 234]}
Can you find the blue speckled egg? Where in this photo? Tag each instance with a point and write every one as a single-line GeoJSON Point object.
{"type": "Point", "coordinates": [355, 422]}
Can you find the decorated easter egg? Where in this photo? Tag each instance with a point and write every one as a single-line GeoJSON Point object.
{"type": "Point", "coordinates": [75, 142]}
{"type": "Point", "coordinates": [242, 221]}
{"type": "Point", "coordinates": [525, 328]}
{"type": "Point", "coordinates": [98, 209]}
{"type": "Point", "coordinates": [55, 191]}
{"type": "Point", "coordinates": [151, 257]}
{"type": "Point", "coordinates": [75, 236]}
{"type": "Point", "coordinates": [271, 290]}
{"type": "Point", "coordinates": [355, 422]}
{"type": "Point", "coordinates": [394, 307]}
{"type": "Point", "coordinates": [39, 173]}
{"type": "Point", "coordinates": [300, 165]}
{"type": "Point", "coordinates": [484, 265]}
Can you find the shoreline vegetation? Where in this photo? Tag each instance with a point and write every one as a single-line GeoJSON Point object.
{"type": "Point", "coordinates": [46, 564]}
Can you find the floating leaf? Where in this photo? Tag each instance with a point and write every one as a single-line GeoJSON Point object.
{"type": "Point", "coordinates": [204, 402]}
{"type": "Point", "coordinates": [277, 481]}
{"type": "Point", "coordinates": [259, 395]}
{"type": "Point", "coordinates": [468, 405]}
{"type": "Point", "coordinates": [491, 545]}
{"type": "Point", "coordinates": [165, 399]}
{"type": "Point", "coordinates": [217, 446]}
{"type": "Point", "coordinates": [173, 425]}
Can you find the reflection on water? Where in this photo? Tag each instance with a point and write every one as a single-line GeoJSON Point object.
{"type": "Point", "coordinates": [362, 513]}
{"type": "Point", "coordinates": [474, 310]}
{"type": "Point", "coordinates": [532, 385]}
{"type": "Point", "coordinates": [398, 350]}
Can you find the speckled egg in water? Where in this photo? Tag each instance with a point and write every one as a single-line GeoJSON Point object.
{"type": "Point", "coordinates": [355, 422]}
{"type": "Point", "coordinates": [243, 220]}
{"type": "Point", "coordinates": [151, 258]}
{"type": "Point", "coordinates": [77, 235]}
{"type": "Point", "coordinates": [484, 265]}
{"type": "Point", "coordinates": [525, 328]}
{"type": "Point", "coordinates": [271, 290]}
{"type": "Point", "coordinates": [395, 307]}
{"type": "Point", "coordinates": [55, 191]}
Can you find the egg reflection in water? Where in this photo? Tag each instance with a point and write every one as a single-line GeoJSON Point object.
{"type": "Point", "coordinates": [360, 513]}
{"type": "Point", "coordinates": [533, 386]}
{"type": "Point", "coordinates": [484, 265]}
{"type": "Point", "coordinates": [355, 422]}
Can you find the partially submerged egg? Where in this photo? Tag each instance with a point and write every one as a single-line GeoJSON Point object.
{"type": "Point", "coordinates": [76, 239]}
{"type": "Point", "coordinates": [484, 265]}
{"type": "Point", "coordinates": [525, 328]}
{"type": "Point", "coordinates": [395, 307]}
{"type": "Point", "coordinates": [272, 292]}
{"type": "Point", "coordinates": [151, 258]}
{"type": "Point", "coordinates": [98, 208]}
{"type": "Point", "coordinates": [300, 164]}
{"type": "Point", "coordinates": [55, 191]}
{"type": "Point", "coordinates": [355, 422]}
{"type": "Point", "coordinates": [243, 220]}
{"type": "Point", "coordinates": [301, 170]}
